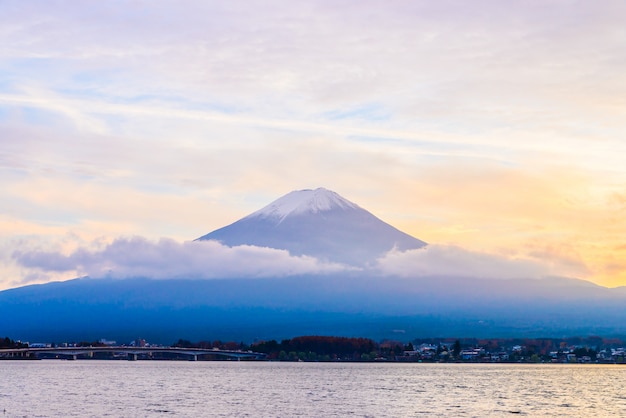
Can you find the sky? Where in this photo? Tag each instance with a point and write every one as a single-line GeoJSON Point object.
{"type": "Point", "coordinates": [492, 130]}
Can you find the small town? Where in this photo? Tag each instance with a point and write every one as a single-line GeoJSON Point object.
{"type": "Point", "coordinates": [465, 350]}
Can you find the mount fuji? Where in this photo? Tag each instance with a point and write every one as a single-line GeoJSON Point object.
{"type": "Point", "coordinates": [347, 301]}
{"type": "Point", "coordinates": [318, 223]}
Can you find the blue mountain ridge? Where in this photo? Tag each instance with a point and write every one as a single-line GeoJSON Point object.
{"type": "Point", "coordinates": [247, 309]}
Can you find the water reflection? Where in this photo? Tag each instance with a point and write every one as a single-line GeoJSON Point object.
{"type": "Point", "coordinates": [185, 389]}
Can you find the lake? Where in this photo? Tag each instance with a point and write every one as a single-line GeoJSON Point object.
{"type": "Point", "coordinates": [54, 388]}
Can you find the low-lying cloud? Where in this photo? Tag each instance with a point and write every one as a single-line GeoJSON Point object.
{"type": "Point", "coordinates": [452, 261]}
{"type": "Point", "coordinates": [167, 258]}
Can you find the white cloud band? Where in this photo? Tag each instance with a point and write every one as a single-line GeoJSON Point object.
{"type": "Point", "coordinates": [167, 258]}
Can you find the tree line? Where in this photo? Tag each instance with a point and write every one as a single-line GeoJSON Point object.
{"type": "Point", "coordinates": [9, 343]}
{"type": "Point", "coordinates": [315, 348]}
{"type": "Point", "coordinates": [332, 348]}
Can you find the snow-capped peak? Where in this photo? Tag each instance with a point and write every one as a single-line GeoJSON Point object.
{"type": "Point", "coordinates": [304, 201]}
{"type": "Point", "coordinates": [317, 223]}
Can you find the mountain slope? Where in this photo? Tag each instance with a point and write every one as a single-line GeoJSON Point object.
{"type": "Point", "coordinates": [245, 309]}
{"type": "Point", "coordinates": [318, 223]}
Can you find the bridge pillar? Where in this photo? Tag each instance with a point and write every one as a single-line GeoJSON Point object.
{"type": "Point", "coordinates": [194, 357]}
{"type": "Point", "coordinates": [73, 357]}
{"type": "Point", "coordinates": [132, 356]}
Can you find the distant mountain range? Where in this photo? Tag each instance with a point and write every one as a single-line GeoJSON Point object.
{"type": "Point", "coordinates": [360, 302]}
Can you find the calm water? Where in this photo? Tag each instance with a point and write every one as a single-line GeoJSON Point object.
{"type": "Point", "coordinates": [54, 388]}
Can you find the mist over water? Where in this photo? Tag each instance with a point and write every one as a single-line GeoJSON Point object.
{"type": "Point", "coordinates": [51, 388]}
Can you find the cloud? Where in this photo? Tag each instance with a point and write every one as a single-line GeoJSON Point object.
{"type": "Point", "coordinates": [167, 259]}
{"type": "Point", "coordinates": [452, 261]}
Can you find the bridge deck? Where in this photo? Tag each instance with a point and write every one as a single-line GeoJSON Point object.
{"type": "Point", "coordinates": [76, 351]}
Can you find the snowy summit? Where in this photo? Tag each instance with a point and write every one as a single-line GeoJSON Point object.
{"type": "Point", "coordinates": [319, 223]}
{"type": "Point", "coordinates": [300, 202]}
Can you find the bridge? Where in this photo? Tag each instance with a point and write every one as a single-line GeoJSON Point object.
{"type": "Point", "coordinates": [72, 353]}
